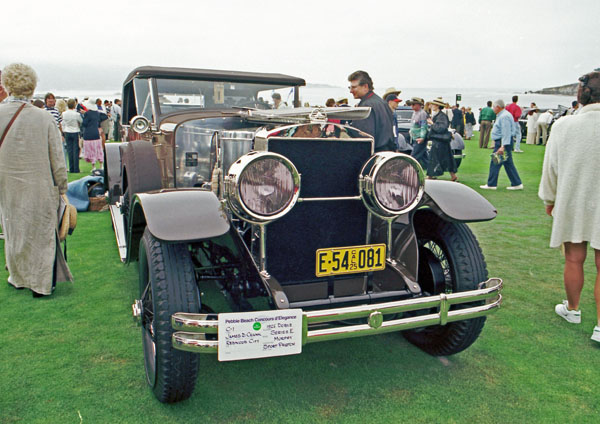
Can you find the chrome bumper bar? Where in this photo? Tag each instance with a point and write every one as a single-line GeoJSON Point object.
{"type": "Point", "coordinates": [191, 329]}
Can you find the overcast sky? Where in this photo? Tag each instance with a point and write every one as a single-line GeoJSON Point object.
{"type": "Point", "coordinates": [526, 44]}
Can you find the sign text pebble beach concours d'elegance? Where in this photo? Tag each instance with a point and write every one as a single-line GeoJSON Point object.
{"type": "Point", "coordinates": [259, 334]}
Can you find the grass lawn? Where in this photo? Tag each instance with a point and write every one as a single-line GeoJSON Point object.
{"type": "Point", "coordinates": [76, 357]}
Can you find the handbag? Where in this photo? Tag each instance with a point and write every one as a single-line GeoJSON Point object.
{"type": "Point", "coordinates": [444, 137]}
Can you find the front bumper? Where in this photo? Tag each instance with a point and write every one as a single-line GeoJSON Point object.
{"type": "Point", "coordinates": [191, 330]}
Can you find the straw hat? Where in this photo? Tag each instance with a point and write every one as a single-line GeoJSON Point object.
{"type": "Point", "coordinates": [391, 90]}
{"type": "Point", "coordinates": [415, 100]}
{"type": "Point", "coordinates": [68, 220]}
{"type": "Point", "coordinates": [439, 102]}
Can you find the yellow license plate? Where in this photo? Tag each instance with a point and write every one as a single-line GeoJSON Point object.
{"type": "Point", "coordinates": [349, 260]}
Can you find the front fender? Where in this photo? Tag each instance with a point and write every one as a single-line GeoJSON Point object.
{"type": "Point", "coordinates": [457, 202]}
{"type": "Point", "coordinates": [176, 216]}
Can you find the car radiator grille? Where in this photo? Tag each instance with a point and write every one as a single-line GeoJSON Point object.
{"type": "Point", "coordinates": [329, 168]}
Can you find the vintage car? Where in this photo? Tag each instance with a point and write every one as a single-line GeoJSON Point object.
{"type": "Point", "coordinates": [258, 231]}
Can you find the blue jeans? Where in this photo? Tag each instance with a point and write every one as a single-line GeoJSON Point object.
{"type": "Point", "coordinates": [420, 153]}
{"type": "Point", "coordinates": [509, 166]}
{"type": "Point", "coordinates": [72, 140]}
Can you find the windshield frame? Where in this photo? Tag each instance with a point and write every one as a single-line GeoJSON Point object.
{"type": "Point", "coordinates": [292, 91]}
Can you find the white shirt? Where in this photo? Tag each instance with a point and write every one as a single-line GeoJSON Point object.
{"type": "Point", "coordinates": [116, 110]}
{"type": "Point", "coordinates": [71, 121]}
{"type": "Point", "coordinates": [545, 118]}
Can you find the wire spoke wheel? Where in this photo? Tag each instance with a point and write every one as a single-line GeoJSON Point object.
{"type": "Point", "coordinates": [450, 261]}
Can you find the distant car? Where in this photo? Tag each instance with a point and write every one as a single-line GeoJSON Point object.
{"type": "Point", "coordinates": [403, 115]}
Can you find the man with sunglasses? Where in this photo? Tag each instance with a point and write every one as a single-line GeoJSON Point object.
{"type": "Point", "coordinates": [380, 122]}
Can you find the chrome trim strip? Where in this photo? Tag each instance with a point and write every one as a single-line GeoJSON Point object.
{"type": "Point", "coordinates": [117, 220]}
{"type": "Point", "coordinates": [196, 326]}
{"type": "Point", "coordinates": [327, 199]}
{"type": "Point", "coordinates": [182, 321]}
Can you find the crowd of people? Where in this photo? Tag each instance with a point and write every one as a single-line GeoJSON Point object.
{"type": "Point", "coordinates": [85, 126]}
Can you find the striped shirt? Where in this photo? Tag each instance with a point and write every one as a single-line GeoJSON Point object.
{"type": "Point", "coordinates": [56, 115]}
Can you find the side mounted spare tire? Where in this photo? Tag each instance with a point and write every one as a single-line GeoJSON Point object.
{"type": "Point", "coordinates": [141, 167]}
{"type": "Point", "coordinates": [112, 171]}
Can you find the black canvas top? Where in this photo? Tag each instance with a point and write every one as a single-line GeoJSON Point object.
{"type": "Point", "coordinates": [213, 75]}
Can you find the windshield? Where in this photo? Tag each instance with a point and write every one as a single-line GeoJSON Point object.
{"type": "Point", "coordinates": [179, 94]}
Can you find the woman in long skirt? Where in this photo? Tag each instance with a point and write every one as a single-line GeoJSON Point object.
{"type": "Point", "coordinates": [441, 158]}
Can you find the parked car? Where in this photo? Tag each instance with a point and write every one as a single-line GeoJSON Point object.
{"type": "Point", "coordinates": [403, 115]}
{"type": "Point", "coordinates": [259, 231]}
{"type": "Point", "coordinates": [556, 112]}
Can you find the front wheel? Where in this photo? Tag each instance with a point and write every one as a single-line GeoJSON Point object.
{"type": "Point", "coordinates": [167, 285]}
{"type": "Point", "coordinates": [450, 261]}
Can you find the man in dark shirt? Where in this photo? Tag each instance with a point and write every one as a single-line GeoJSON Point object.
{"type": "Point", "coordinates": [380, 122]}
{"type": "Point", "coordinates": [457, 120]}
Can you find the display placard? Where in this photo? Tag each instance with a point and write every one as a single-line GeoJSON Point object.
{"type": "Point", "coordinates": [261, 334]}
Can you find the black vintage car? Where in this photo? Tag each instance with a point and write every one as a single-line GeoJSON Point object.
{"type": "Point", "coordinates": [258, 231]}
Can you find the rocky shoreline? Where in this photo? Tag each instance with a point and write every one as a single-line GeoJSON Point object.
{"type": "Point", "coordinates": [563, 90]}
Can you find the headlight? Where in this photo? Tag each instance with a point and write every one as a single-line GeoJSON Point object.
{"type": "Point", "coordinates": [139, 124]}
{"type": "Point", "coordinates": [391, 183]}
{"type": "Point", "coordinates": [262, 186]}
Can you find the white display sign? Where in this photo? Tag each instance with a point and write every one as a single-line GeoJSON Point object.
{"type": "Point", "coordinates": [249, 335]}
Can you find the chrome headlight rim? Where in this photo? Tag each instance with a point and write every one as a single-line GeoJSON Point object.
{"type": "Point", "coordinates": [368, 179]}
{"type": "Point", "coordinates": [233, 187]}
{"type": "Point", "coordinates": [139, 124]}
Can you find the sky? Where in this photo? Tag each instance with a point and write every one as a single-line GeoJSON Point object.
{"type": "Point", "coordinates": [526, 44]}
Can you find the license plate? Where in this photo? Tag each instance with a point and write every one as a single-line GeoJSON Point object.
{"type": "Point", "coordinates": [350, 260]}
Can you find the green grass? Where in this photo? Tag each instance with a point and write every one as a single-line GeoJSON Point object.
{"type": "Point", "coordinates": [76, 357]}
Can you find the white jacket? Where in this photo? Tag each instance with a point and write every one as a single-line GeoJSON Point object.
{"type": "Point", "coordinates": [570, 178]}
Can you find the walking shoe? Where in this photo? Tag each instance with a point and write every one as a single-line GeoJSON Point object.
{"type": "Point", "coordinates": [570, 315]}
{"type": "Point", "coordinates": [519, 151]}
{"type": "Point", "coordinates": [596, 334]}
{"type": "Point", "coordinates": [519, 187]}
{"type": "Point", "coordinates": [487, 187]}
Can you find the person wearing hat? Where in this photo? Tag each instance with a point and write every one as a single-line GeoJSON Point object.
{"type": "Point", "coordinates": [342, 102]}
{"type": "Point", "coordinates": [503, 133]}
{"type": "Point", "coordinates": [441, 158]}
{"type": "Point", "coordinates": [32, 178]}
{"type": "Point", "coordinates": [393, 101]}
{"type": "Point", "coordinates": [569, 190]}
{"type": "Point", "coordinates": [418, 131]}
{"type": "Point", "coordinates": [380, 122]}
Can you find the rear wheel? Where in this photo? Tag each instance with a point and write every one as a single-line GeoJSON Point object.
{"type": "Point", "coordinates": [450, 260]}
{"type": "Point", "coordinates": [167, 285]}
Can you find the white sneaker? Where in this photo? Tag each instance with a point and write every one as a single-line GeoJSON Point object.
{"type": "Point", "coordinates": [518, 151]}
{"type": "Point", "coordinates": [519, 187]}
{"type": "Point", "coordinates": [570, 315]}
{"type": "Point", "coordinates": [487, 187]}
{"type": "Point", "coordinates": [596, 334]}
